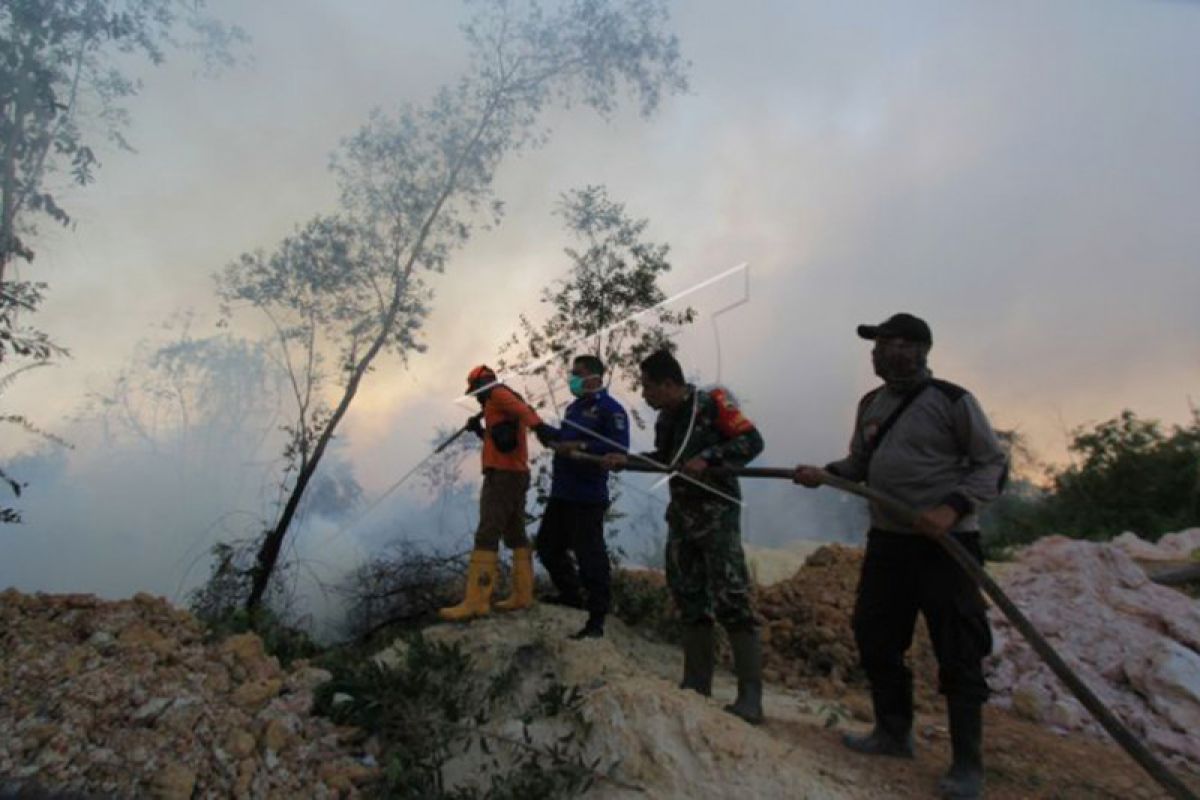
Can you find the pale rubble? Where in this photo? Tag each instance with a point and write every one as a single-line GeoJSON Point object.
{"type": "Point", "coordinates": [1181, 546]}
{"type": "Point", "coordinates": [1135, 643]}
{"type": "Point", "coordinates": [127, 699]}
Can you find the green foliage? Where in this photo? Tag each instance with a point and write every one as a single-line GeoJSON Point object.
{"type": "Point", "coordinates": [285, 642]}
{"type": "Point", "coordinates": [16, 298]}
{"type": "Point", "coordinates": [19, 298]}
{"type": "Point", "coordinates": [434, 707]}
{"type": "Point", "coordinates": [221, 596]}
{"type": "Point", "coordinates": [1016, 518]}
{"type": "Point", "coordinates": [1132, 476]}
{"type": "Point", "coordinates": [1129, 474]}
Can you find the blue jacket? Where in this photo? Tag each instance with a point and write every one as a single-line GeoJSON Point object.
{"type": "Point", "coordinates": [601, 423]}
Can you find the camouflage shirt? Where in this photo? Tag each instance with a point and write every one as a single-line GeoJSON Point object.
{"type": "Point", "coordinates": [708, 425]}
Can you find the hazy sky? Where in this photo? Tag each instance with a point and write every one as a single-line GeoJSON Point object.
{"type": "Point", "coordinates": [1024, 175]}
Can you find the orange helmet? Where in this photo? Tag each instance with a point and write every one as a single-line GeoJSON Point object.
{"type": "Point", "coordinates": [480, 376]}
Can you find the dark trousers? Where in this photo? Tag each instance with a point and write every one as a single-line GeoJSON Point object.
{"type": "Point", "coordinates": [576, 528]}
{"type": "Point", "coordinates": [903, 574]}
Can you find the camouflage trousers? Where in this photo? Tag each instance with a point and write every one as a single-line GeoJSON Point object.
{"type": "Point", "coordinates": [706, 566]}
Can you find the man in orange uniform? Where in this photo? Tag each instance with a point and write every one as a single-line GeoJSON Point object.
{"type": "Point", "coordinates": [507, 420]}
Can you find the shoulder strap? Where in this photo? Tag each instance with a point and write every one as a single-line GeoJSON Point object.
{"type": "Point", "coordinates": [873, 445]}
{"type": "Point", "coordinates": [953, 391]}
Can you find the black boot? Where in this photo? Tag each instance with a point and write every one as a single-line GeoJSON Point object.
{"type": "Point", "coordinates": [892, 734]}
{"type": "Point", "coordinates": [747, 665]}
{"type": "Point", "coordinates": [964, 781]}
{"type": "Point", "coordinates": [593, 629]}
{"type": "Point", "coordinates": [698, 658]}
{"type": "Point", "coordinates": [881, 742]}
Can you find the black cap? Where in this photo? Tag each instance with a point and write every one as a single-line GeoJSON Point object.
{"type": "Point", "coordinates": [900, 326]}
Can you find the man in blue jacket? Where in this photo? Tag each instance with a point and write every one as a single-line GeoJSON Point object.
{"type": "Point", "coordinates": [573, 522]}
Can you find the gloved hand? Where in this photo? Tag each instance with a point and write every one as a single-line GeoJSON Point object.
{"type": "Point", "coordinates": [546, 434]}
{"type": "Point", "coordinates": [475, 424]}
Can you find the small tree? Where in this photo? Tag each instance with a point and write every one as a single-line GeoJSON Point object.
{"type": "Point", "coordinates": [346, 288]}
{"type": "Point", "coordinates": [607, 305]}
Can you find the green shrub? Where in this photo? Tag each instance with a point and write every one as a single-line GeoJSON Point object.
{"type": "Point", "coordinates": [1128, 474]}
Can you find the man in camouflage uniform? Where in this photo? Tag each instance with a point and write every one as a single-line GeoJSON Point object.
{"type": "Point", "coordinates": [706, 567]}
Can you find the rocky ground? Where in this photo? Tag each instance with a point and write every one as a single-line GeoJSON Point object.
{"type": "Point", "coordinates": [128, 699]}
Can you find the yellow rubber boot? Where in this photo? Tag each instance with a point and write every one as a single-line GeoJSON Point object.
{"type": "Point", "coordinates": [522, 582]}
{"type": "Point", "coordinates": [481, 579]}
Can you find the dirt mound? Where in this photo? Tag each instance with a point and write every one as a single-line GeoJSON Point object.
{"type": "Point", "coordinates": [125, 698]}
{"type": "Point", "coordinates": [807, 636]}
{"type": "Point", "coordinates": [806, 619]}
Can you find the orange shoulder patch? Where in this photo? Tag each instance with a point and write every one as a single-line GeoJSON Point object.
{"type": "Point", "coordinates": [730, 419]}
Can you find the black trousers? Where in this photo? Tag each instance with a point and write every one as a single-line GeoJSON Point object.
{"type": "Point", "coordinates": [903, 574]}
{"type": "Point", "coordinates": [576, 528]}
